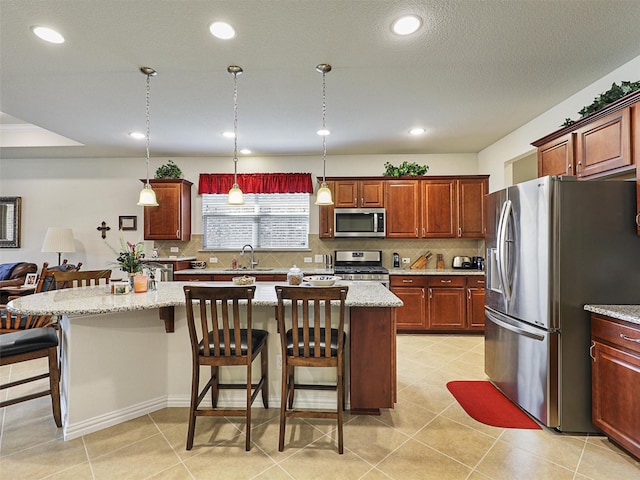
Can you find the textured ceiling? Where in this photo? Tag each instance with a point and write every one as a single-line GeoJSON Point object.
{"type": "Point", "coordinates": [476, 71]}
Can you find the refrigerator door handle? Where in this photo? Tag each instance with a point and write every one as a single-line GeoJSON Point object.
{"type": "Point", "coordinates": [502, 249]}
{"type": "Point", "coordinates": [513, 328]}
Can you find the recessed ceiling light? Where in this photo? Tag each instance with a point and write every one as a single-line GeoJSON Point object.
{"type": "Point", "coordinates": [228, 134]}
{"type": "Point", "coordinates": [137, 135]}
{"type": "Point", "coordinates": [222, 30]}
{"type": "Point", "coordinates": [245, 151]}
{"type": "Point", "coordinates": [416, 131]}
{"type": "Point", "coordinates": [47, 34]}
{"type": "Point", "coordinates": [406, 25]}
{"type": "Point", "coordinates": [323, 132]}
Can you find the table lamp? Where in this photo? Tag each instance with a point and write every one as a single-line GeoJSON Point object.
{"type": "Point", "coordinates": [59, 240]}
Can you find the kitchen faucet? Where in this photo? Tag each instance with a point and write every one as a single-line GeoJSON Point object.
{"type": "Point", "coordinates": [252, 263]}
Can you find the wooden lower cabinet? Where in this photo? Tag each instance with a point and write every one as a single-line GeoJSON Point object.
{"type": "Point", "coordinates": [210, 277]}
{"type": "Point", "coordinates": [615, 380]}
{"type": "Point", "coordinates": [439, 303]}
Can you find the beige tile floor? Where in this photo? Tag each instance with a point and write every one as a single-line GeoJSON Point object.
{"type": "Point", "coordinates": [427, 436]}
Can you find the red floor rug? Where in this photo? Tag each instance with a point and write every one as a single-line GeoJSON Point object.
{"type": "Point", "coordinates": [486, 404]}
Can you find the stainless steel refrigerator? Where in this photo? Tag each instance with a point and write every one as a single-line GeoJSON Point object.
{"type": "Point", "coordinates": [553, 245]}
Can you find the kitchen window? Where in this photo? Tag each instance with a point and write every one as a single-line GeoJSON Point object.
{"type": "Point", "coordinates": [266, 221]}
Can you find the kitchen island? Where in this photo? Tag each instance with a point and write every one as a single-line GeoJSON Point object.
{"type": "Point", "coordinates": [120, 362]}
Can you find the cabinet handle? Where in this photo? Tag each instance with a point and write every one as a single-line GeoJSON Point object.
{"type": "Point", "coordinates": [480, 282]}
{"type": "Point", "coordinates": [424, 232]}
{"type": "Point", "coordinates": [459, 231]}
{"type": "Point", "coordinates": [469, 293]}
{"type": "Point", "coordinates": [355, 201]}
{"type": "Point", "coordinates": [624, 337]}
{"type": "Point", "coordinates": [407, 281]}
{"type": "Point", "coordinates": [593, 344]}
{"type": "Point", "coordinates": [569, 167]}
{"type": "Point", "coordinates": [445, 281]}
{"type": "Point", "coordinates": [362, 202]}
{"type": "Point", "coordinates": [178, 233]}
{"type": "Point", "coordinates": [637, 223]}
{"type": "Point", "coordinates": [579, 167]}
{"type": "Point", "coordinates": [430, 293]}
{"type": "Point", "coordinates": [416, 233]}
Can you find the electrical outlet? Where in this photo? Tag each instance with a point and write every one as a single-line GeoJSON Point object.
{"type": "Point", "coordinates": [406, 260]}
{"type": "Point", "coordinates": [308, 260]}
{"type": "Point", "coordinates": [319, 258]}
{"type": "Point", "coordinates": [279, 362]}
{"type": "Point", "coordinates": [213, 259]}
{"type": "Point", "coordinates": [175, 249]}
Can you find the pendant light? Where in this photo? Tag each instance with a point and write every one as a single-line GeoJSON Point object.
{"type": "Point", "coordinates": [147, 195]}
{"type": "Point", "coordinates": [324, 194]}
{"type": "Point", "coordinates": [235, 194]}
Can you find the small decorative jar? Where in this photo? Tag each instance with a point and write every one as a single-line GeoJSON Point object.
{"type": "Point", "coordinates": [294, 276]}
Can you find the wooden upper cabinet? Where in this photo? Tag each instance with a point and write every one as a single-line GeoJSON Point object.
{"type": "Point", "coordinates": [325, 213]}
{"type": "Point", "coordinates": [556, 157]}
{"type": "Point", "coordinates": [439, 209]}
{"type": "Point", "coordinates": [359, 194]}
{"type": "Point", "coordinates": [471, 221]}
{"type": "Point", "coordinates": [604, 145]}
{"type": "Point", "coordinates": [402, 200]}
{"type": "Point", "coordinates": [171, 219]}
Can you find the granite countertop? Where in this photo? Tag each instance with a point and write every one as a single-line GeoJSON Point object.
{"type": "Point", "coordinates": [168, 259]}
{"type": "Point", "coordinates": [258, 271]}
{"type": "Point", "coordinates": [99, 300]}
{"type": "Point", "coordinates": [433, 271]}
{"type": "Point", "coordinates": [629, 313]}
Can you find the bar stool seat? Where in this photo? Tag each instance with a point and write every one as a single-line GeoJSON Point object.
{"type": "Point", "coordinates": [29, 344]}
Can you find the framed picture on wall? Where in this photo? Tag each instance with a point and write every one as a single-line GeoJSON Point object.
{"type": "Point", "coordinates": [128, 222]}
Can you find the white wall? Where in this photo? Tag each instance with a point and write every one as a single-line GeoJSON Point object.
{"type": "Point", "coordinates": [496, 159]}
{"type": "Point", "coordinates": [82, 192]}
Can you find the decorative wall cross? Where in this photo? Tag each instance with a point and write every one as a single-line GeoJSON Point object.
{"type": "Point", "coordinates": [103, 229]}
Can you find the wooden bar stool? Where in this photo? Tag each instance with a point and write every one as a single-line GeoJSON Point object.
{"type": "Point", "coordinates": [230, 340]}
{"type": "Point", "coordinates": [84, 278]}
{"type": "Point", "coordinates": [308, 339]}
{"type": "Point", "coordinates": [25, 345]}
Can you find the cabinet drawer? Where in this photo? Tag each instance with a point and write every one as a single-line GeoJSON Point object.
{"type": "Point", "coordinates": [407, 281]}
{"type": "Point", "coordinates": [447, 281]}
{"type": "Point", "coordinates": [189, 277]}
{"type": "Point", "coordinates": [616, 333]}
{"type": "Point", "coordinates": [475, 281]}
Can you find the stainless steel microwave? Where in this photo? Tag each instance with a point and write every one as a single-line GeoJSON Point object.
{"type": "Point", "coordinates": [359, 222]}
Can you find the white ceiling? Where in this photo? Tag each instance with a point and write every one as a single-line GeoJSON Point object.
{"type": "Point", "coordinates": [475, 72]}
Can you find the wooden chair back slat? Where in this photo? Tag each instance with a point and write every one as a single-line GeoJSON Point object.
{"type": "Point", "coordinates": [84, 278]}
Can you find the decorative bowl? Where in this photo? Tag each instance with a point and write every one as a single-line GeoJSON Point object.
{"type": "Point", "coordinates": [321, 280]}
{"type": "Point", "coordinates": [244, 280]}
{"type": "Point", "coordinates": [198, 264]}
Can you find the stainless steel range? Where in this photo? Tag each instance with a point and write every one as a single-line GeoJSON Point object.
{"type": "Point", "coordinates": [360, 266]}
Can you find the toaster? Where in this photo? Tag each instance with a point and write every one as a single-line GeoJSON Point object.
{"type": "Point", "coordinates": [461, 262]}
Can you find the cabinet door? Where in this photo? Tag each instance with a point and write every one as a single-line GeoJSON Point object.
{"type": "Point", "coordinates": [475, 308]}
{"type": "Point", "coordinates": [411, 316]}
{"type": "Point", "coordinates": [346, 194]}
{"type": "Point", "coordinates": [371, 193]}
{"type": "Point", "coordinates": [556, 157]}
{"type": "Point", "coordinates": [402, 200]}
{"type": "Point", "coordinates": [325, 213]}
{"type": "Point", "coordinates": [615, 379]}
{"type": "Point", "coordinates": [604, 145]}
{"type": "Point", "coordinates": [446, 308]}
{"type": "Point", "coordinates": [439, 209]}
{"type": "Point", "coordinates": [471, 222]}
{"type": "Point", "coordinates": [171, 219]}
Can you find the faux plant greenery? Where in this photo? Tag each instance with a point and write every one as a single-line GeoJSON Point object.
{"type": "Point", "coordinates": [616, 92]}
{"type": "Point", "coordinates": [168, 170]}
{"type": "Point", "coordinates": [405, 169]}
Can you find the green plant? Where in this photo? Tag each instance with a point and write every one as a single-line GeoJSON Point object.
{"type": "Point", "coordinates": [405, 169]}
{"type": "Point", "coordinates": [168, 170]}
{"type": "Point", "coordinates": [616, 92]}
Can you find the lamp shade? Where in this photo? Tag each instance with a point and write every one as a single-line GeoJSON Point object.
{"type": "Point", "coordinates": [59, 240]}
{"type": "Point", "coordinates": [147, 197]}
{"type": "Point", "coordinates": [235, 196]}
{"type": "Point", "coordinates": [324, 196]}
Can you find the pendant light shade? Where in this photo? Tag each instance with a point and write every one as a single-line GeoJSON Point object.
{"type": "Point", "coordinates": [236, 196]}
{"type": "Point", "coordinates": [147, 195]}
{"type": "Point", "coordinates": [323, 196]}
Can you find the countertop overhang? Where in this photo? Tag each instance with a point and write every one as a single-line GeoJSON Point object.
{"type": "Point", "coordinates": [629, 313]}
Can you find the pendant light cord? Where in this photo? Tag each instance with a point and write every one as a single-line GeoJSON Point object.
{"type": "Point", "coordinates": [235, 129]}
{"type": "Point", "coordinates": [324, 127]}
{"type": "Point", "coordinates": [147, 185]}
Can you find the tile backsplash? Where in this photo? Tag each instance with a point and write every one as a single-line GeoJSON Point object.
{"type": "Point", "coordinates": [407, 248]}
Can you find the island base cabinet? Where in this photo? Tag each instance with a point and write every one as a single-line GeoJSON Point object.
{"type": "Point", "coordinates": [372, 339]}
{"type": "Point", "coordinates": [615, 374]}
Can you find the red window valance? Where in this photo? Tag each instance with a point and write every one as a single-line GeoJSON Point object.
{"type": "Point", "coordinates": [256, 182]}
